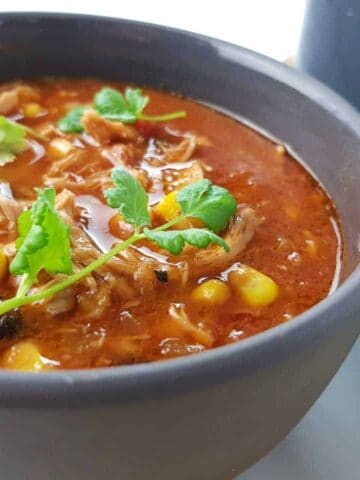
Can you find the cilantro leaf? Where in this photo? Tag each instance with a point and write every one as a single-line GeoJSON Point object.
{"type": "Point", "coordinates": [112, 105]}
{"type": "Point", "coordinates": [174, 240]}
{"type": "Point", "coordinates": [44, 241]}
{"type": "Point", "coordinates": [71, 123]}
{"type": "Point", "coordinates": [127, 108]}
{"type": "Point", "coordinates": [12, 140]}
{"type": "Point", "coordinates": [136, 100]}
{"type": "Point", "coordinates": [129, 197]}
{"type": "Point", "coordinates": [212, 204]}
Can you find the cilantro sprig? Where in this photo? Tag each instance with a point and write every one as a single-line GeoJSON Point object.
{"type": "Point", "coordinates": [71, 123]}
{"type": "Point", "coordinates": [136, 211]}
{"type": "Point", "coordinates": [174, 240]}
{"type": "Point", "coordinates": [116, 107]}
{"type": "Point", "coordinates": [12, 139]}
{"type": "Point", "coordinates": [44, 240]}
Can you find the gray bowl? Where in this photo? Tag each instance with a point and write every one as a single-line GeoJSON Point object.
{"type": "Point", "coordinates": [208, 416]}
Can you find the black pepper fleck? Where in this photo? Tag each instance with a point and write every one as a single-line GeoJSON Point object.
{"type": "Point", "coordinates": [10, 324]}
{"type": "Point", "coordinates": [162, 276]}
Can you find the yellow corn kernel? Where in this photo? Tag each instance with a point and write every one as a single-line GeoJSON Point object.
{"type": "Point", "coordinates": [3, 265]}
{"type": "Point", "coordinates": [23, 356]}
{"type": "Point", "coordinates": [59, 147]}
{"type": "Point", "coordinates": [168, 208]}
{"type": "Point", "coordinates": [253, 287]}
{"type": "Point", "coordinates": [291, 211]}
{"type": "Point", "coordinates": [213, 292]}
{"type": "Point", "coordinates": [31, 110]}
{"type": "Point", "coordinates": [311, 245]}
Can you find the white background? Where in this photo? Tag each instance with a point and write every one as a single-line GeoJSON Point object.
{"type": "Point", "coordinates": [271, 27]}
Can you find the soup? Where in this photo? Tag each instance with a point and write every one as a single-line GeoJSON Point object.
{"type": "Point", "coordinates": [148, 303]}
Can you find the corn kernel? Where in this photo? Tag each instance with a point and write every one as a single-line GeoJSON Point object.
{"type": "Point", "coordinates": [32, 110]}
{"type": "Point", "coordinates": [291, 211]}
{"type": "Point", "coordinates": [23, 356]}
{"type": "Point", "coordinates": [168, 208]}
{"type": "Point", "coordinates": [253, 287]}
{"type": "Point", "coordinates": [3, 265]}
{"type": "Point", "coordinates": [311, 245]}
{"type": "Point", "coordinates": [59, 147]}
{"type": "Point", "coordinates": [213, 292]}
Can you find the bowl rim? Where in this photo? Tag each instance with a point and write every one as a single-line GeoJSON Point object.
{"type": "Point", "coordinates": [134, 382]}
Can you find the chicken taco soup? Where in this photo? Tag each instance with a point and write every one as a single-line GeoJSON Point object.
{"type": "Point", "coordinates": [136, 225]}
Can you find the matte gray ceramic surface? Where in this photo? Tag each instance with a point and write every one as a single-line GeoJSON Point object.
{"type": "Point", "coordinates": [209, 416]}
{"type": "Point", "coordinates": [325, 445]}
{"type": "Point", "coordinates": [331, 33]}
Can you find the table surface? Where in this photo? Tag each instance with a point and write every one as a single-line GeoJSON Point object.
{"type": "Point", "coordinates": [326, 443]}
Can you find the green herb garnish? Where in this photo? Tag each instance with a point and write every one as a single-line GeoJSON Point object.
{"type": "Point", "coordinates": [127, 108]}
{"type": "Point", "coordinates": [129, 197]}
{"type": "Point", "coordinates": [12, 140]}
{"type": "Point", "coordinates": [71, 123]}
{"type": "Point", "coordinates": [116, 107]}
{"type": "Point", "coordinates": [212, 204]}
{"type": "Point", "coordinates": [174, 240]}
{"type": "Point", "coordinates": [44, 241]}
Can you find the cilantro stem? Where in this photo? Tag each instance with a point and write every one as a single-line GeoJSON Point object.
{"type": "Point", "coordinates": [195, 200]}
{"type": "Point", "coordinates": [162, 118]}
{"type": "Point", "coordinates": [169, 224]}
{"type": "Point", "coordinates": [19, 301]}
{"type": "Point", "coordinates": [24, 286]}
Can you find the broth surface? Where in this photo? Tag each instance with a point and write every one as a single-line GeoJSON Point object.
{"type": "Point", "coordinates": [136, 315]}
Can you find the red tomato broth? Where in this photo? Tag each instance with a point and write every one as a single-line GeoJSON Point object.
{"type": "Point", "coordinates": [294, 209]}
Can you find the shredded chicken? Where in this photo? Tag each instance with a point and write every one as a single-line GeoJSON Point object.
{"type": "Point", "coordinates": [10, 99]}
{"type": "Point", "coordinates": [10, 209]}
{"type": "Point", "coordinates": [77, 163]}
{"type": "Point", "coordinates": [97, 289]}
{"type": "Point", "coordinates": [120, 154]}
{"type": "Point", "coordinates": [63, 302]}
{"type": "Point", "coordinates": [65, 201]}
{"type": "Point", "coordinates": [193, 261]}
{"type": "Point", "coordinates": [199, 332]}
{"type": "Point", "coordinates": [8, 102]}
{"type": "Point", "coordinates": [104, 131]}
{"type": "Point", "coordinates": [76, 172]}
{"type": "Point", "coordinates": [181, 152]}
{"type": "Point", "coordinates": [239, 233]}
{"type": "Point", "coordinates": [137, 266]}
{"type": "Point", "coordinates": [176, 178]}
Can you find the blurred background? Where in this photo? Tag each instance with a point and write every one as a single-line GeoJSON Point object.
{"type": "Point", "coordinates": [269, 27]}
